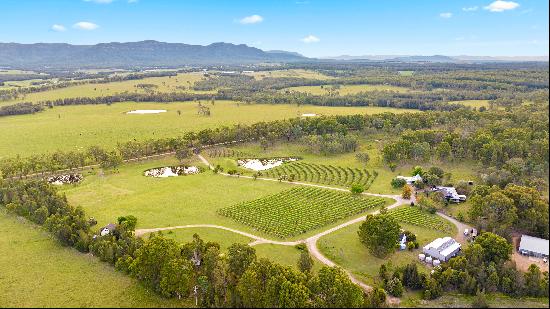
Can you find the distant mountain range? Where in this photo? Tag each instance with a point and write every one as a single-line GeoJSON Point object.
{"type": "Point", "coordinates": [438, 58]}
{"type": "Point", "coordinates": [160, 54]}
{"type": "Point", "coordinates": [134, 54]}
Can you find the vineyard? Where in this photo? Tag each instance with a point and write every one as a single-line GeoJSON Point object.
{"type": "Point", "coordinates": [324, 174]}
{"type": "Point", "coordinates": [224, 152]}
{"type": "Point", "coordinates": [415, 216]}
{"type": "Point", "coordinates": [298, 210]}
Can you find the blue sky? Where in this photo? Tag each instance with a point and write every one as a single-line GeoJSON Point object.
{"type": "Point", "coordinates": [311, 27]}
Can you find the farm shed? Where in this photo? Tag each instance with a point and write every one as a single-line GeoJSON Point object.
{"type": "Point", "coordinates": [533, 246]}
{"type": "Point", "coordinates": [442, 248]}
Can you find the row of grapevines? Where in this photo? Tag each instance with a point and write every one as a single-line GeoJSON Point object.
{"type": "Point", "coordinates": [298, 210]}
{"type": "Point", "coordinates": [325, 174]}
{"type": "Point", "coordinates": [415, 216]}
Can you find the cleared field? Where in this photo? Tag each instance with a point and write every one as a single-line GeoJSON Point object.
{"type": "Point", "coordinates": [298, 73]}
{"type": "Point", "coordinates": [346, 89]}
{"type": "Point", "coordinates": [324, 174]}
{"type": "Point", "coordinates": [344, 248]}
{"type": "Point", "coordinates": [38, 272]}
{"type": "Point", "coordinates": [76, 127]}
{"type": "Point", "coordinates": [298, 210]}
{"type": "Point", "coordinates": [163, 84]}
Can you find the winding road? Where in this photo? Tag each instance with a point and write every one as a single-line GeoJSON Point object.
{"type": "Point", "coordinates": [311, 242]}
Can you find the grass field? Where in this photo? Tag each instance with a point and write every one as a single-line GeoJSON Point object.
{"type": "Point", "coordinates": [76, 127]}
{"type": "Point", "coordinates": [300, 209]}
{"type": "Point", "coordinates": [344, 248]}
{"type": "Point", "coordinates": [222, 237]}
{"type": "Point", "coordinates": [347, 89]}
{"type": "Point", "coordinates": [164, 84]}
{"type": "Point", "coordinates": [473, 103]}
{"type": "Point", "coordinates": [298, 73]}
{"type": "Point", "coordinates": [35, 271]}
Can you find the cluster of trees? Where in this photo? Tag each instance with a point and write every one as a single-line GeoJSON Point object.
{"type": "Point", "coordinates": [329, 144]}
{"type": "Point", "coordinates": [233, 279]}
{"type": "Point", "coordinates": [39, 202]}
{"type": "Point", "coordinates": [380, 234]}
{"type": "Point", "coordinates": [514, 144]}
{"type": "Point", "coordinates": [20, 109]}
{"type": "Point", "coordinates": [512, 208]}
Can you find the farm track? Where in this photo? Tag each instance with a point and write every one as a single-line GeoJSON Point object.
{"type": "Point", "coordinates": [311, 242]}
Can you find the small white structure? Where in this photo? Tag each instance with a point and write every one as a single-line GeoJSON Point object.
{"type": "Point", "coordinates": [422, 256]}
{"type": "Point", "coordinates": [410, 180]}
{"type": "Point", "coordinates": [533, 246]}
{"type": "Point", "coordinates": [436, 263]}
{"type": "Point", "coordinates": [442, 248]}
{"type": "Point", "coordinates": [403, 242]}
{"type": "Point", "coordinates": [428, 259]}
{"type": "Point", "coordinates": [146, 111]}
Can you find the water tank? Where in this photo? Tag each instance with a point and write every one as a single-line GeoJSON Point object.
{"type": "Point", "coordinates": [429, 259]}
{"type": "Point", "coordinates": [436, 262]}
{"type": "Point", "coordinates": [421, 257]}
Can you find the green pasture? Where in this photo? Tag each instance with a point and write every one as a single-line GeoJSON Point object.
{"type": "Point", "coordinates": [36, 271]}
{"type": "Point", "coordinates": [77, 127]}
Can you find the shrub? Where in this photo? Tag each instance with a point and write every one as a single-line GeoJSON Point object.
{"type": "Point", "coordinates": [398, 183]}
{"type": "Point", "coordinates": [357, 189]}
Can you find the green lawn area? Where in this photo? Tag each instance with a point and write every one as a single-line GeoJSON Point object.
{"type": "Point", "coordinates": [36, 271]}
{"type": "Point", "coordinates": [344, 248]}
{"type": "Point", "coordinates": [346, 89]}
{"type": "Point", "coordinates": [77, 127]}
{"type": "Point", "coordinates": [222, 237]}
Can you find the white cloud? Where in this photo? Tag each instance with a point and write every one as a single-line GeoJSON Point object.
{"type": "Point", "coordinates": [501, 6]}
{"type": "Point", "coordinates": [85, 25]}
{"type": "Point", "coordinates": [99, 1]}
{"type": "Point", "coordinates": [470, 9]}
{"type": "Point", "coordinates": [310, 39]}
{"type": "Point", "coordinates": [252, 19]}
{"type": "Point", "coordinates": [58, 28]}
{"type": "Point", "coordinates": [446, 15]}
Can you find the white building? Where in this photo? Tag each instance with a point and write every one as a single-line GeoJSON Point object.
{"type": "Point", "coordinates": [451, 194]}
{"type": "Point", "coordinates": [442, 249]}
{"type": "Point", "coordinates": [410, 180]}
{"type": "Point", "coordinates": [533, 246]}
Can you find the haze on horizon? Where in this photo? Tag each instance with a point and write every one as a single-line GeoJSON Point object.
{"type": "Point", "coordinates": [314, 28]}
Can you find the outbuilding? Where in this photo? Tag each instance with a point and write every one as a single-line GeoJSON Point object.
{"type": "Point", "coordinates": [442, 249]}
{"type": "Point", "coordinates": [533, 246]}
